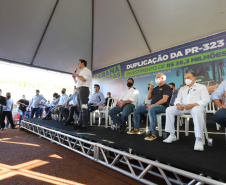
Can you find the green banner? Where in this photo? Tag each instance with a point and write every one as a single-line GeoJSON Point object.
{"type": "Point", "coordinates": [108, 75]}
{"type": "Point", "coordinates": [196, 59]}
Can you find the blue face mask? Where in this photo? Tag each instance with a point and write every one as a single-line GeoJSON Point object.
{"type": "Point", "coordinates": [24, 98]}
{"type": "Point", "coordinates": [37, 94]}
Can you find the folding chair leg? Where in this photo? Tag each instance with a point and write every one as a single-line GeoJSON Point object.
{"type": "Point", "coordinates": [187, 127]}
{"type": "Point", "coordinates": [106, 120]}
{"type": "Point", "coordinates": [178, 123]}
{"type": "Point", "coordinates": [160, 125]}
{"type": "Point", "coordinates": [129, 122]}
{"type": "Point", "coordinates": [147, 123]}
{"type": "Point", "coordinates": [91, 119]}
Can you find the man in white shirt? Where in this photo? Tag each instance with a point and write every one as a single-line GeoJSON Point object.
{"type": "Point", "coordinates": [7, 111]}
{"type": "Point", "coordinates": [83, 80]}
{"type": "Point", "coordinates": [192, 99]}
{"type": "Point", "coordinates": [61, 103]}
{"type": "Point", "coordinates": [35, 103]}
{"type": "Point", "coordinates": [127, 103]}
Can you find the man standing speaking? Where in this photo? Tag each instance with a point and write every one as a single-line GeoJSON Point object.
{"type": "Point", "coordinates": [83, 80]}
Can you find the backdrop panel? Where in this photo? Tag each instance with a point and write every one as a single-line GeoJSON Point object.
{"type": "Point", "coordinates": [205, 57]}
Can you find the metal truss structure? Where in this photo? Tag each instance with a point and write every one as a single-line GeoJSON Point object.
{"type": "Point", "coordinates": [136, 167]}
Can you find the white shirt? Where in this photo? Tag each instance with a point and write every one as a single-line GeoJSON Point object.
{"type": "Point", "coordinates": [146, 101]}
{"type": "Point", "coordinates": [36, 100]}
{"type": "Point", "coordinates": [130, 94]}
{"type": "Point", "coordinates": [8, 106]}
{"type": "Point", "coordinates": [63, 100]}
{"type": "Point", "coordinates": [197, 93]}
{"type": "Point", "coordinates": [87, 74]}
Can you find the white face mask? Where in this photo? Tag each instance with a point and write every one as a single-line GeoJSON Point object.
{"type": "Point", "coordinates": [0, 93]}
{"type": "Point", "coordinates": [95, 90]}
{"type": "Point", "coordinates": [188, 81]}
{"type": "Point", "coordinates": [108, 96]}
{"type": "Point", "coordinates": [158, 81]}
{"type": "Point", "coordinates": [75, 90]}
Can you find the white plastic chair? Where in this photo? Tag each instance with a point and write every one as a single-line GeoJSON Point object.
{"type": "Point", "coordinates": [105, 112]}
{"type": "Point", "coordinates": [210, 108]}
{"type": "Point", "coordinates": [187, 118]}
{"type": "Point", "coordinates": [93, 116]}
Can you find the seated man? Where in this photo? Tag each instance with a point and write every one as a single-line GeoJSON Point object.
{"type": "Point", "coordinates": [174, 95]}
{"type": "Point", "coordinates": [138, 112]}
{"type": "Point", "coordinates": [160, 97]}
{"type": "Point", "coordinates": [97, 99]}
{"type": "Point", "coordinates": [61, 103]}
{"type": "Point", "coordinates": [192, 99]}
{"type": "Point", "coordinates": [68, 112]}
{"type": "Point", "coordinates": [127, 103]}
{"type": "Point", "coordinates": [106, 100]}
{"type": "Point", "coordinates": [220, 115]}
{"type": "Point", "coordinates": [56, 99]}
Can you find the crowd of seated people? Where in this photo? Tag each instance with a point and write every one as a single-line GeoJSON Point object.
{"type": "Point", "coordinates": [192, 98]}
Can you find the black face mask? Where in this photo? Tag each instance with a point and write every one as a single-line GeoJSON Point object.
{"type": "Point", "coordinates": [148, 88]}
{"type": "Point", "coordinates": [172, 89]}
{"type": "Point", "coordinates": [8, 96]}
{"type": "Point", "coordinates": [62, 92]}
{"type": "Point", "coordinates": [129, 84]}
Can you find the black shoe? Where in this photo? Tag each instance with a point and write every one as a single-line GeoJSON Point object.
{"type": "Point", "coordinates": [67, 123]}
{"type": "Point", "coordinates": [77, 127]}
{"type": "Point", "coordinates": [14, 127]}
{"type": "Point", "coordinates": [122, 129]}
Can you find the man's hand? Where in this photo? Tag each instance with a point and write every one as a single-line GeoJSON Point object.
{"type": "Point", "coordinates": [94, 105]}
{"type": "Point", "coordinates": [121, 104]}
{"type": "Point", "coordinates": [149, 106]}
{"type": "Point", "coordinates": [151, 85]}
{"type": "Point", "coordinates": [75, 75]}
{"type": "Point", "coordinates": [189, 106]}
{"type": "Point", "coordinates": [222, 107]}
{"type": "Point", "coordinates": [180, 107]}
{"type": "Point", "coordinates": [143, 104]}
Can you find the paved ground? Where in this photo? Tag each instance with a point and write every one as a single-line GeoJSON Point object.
{"type": "Point", "coordinates": [27, 159]}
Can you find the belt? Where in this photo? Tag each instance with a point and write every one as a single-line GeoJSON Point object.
{"type": "Point", "coordinates": [82, 87]}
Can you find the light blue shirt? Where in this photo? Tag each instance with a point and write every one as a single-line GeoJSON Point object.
{"type": "Point", "coordinates": [220, 90]}
{"type": "Point", "coordinates": [73, 97]}
{"type": "Point", "coordinates": [36, 100]}
{"type": "Point", "coordinates": [97, 98]}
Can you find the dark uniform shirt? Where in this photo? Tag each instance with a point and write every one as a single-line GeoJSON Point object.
{"type": "Point", "coordinates": [23, 108]}
{"type": "Point", "coordinates": [158, 92]}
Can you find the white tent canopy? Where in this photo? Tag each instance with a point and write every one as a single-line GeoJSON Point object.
{"type": "Point", "coordinates": [55, 34]}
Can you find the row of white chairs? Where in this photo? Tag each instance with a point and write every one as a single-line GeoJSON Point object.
{"type": "Point", "coordinates": [181, 119]}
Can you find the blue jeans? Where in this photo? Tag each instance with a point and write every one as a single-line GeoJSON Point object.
{"type": "Point", "coordinates": [22, 114]}
{"type": "Point", "coordinates": [137, 115]}
{"type": "Point", "coordinates": [34, 111]}
{"type": "Point", "coordinates": [92, 108]}
{"type": "Point", "coordinates": [126, 110]}
{"type": "Point", "coordinates": [40, 112]}
{"type": "Point", "coordinates": [152, 112]}
{"type": "Point", "coordinates": [27, 114]}
{"type": "Point", "coordinates": [220, 117]}
{"type": "Point", "coordinates": [48, 114]}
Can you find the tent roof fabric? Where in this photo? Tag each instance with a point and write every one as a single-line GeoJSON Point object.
{"type": "Point", "coordinates": [55, 34]}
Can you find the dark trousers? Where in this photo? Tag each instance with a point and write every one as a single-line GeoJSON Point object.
{"type": "Point", "coordinates": [40, 112]}
{"type": "Point", "coordinates": [92, 108]}
{"type": "Point", "coordinates": [125, 111]}
{"type": "Point", "coordinates": [9, 117]}
{"type": "Point", "coordinates": [68, 114]}
{"type": "Point", "coordinates": [34, 111]}
{"type": "Point", "coordinates": [220, 117]}
{"type": "Point", "coordinates": [82, 97]}
{"type": "Point", "coordinates": [48, 114]}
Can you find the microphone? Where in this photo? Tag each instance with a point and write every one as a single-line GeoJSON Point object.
{"type": "Point", "coordinates": [75, 70]}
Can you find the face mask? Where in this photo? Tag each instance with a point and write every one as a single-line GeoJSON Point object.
{"type": "Point", "coordinates": [172, 89]}
{"type": "Point", "coordinates": [24, 98]}
{"type": "Point", "coordinates": [62, 92]}
{"type": "Point", "coordinates": [108, 96]}
{"type": "Point", "coordinates": [188, 81]}
{"type": "Point", "coordinates": [37, 93]}
{"type": "Point", "coordinates": [0, 93]}
{"type": "Point", "coordinates": [8, 96]}
{"type": "Point", "coordinates": [75, 90]}
{"type": "Point", "coordinates": [158, 81]}
{"type": "Point", "coordinates": [129, 84]}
